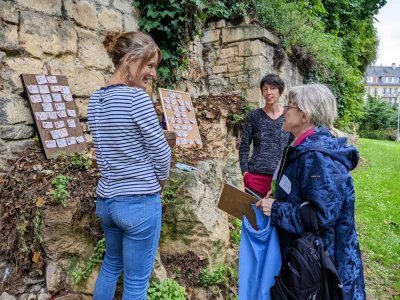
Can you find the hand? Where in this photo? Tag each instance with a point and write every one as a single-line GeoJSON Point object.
{"type": "Point", "coordinates": [162, 183]}
{"type": "Point", "coordinates": [265, 205]}
{"type": "Point", "coordinates": [244, 174]}
{"type": "Point", "coordinates": [269, 194]}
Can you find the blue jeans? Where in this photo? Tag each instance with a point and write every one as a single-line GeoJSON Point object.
{"type": "Point", "coordinates": [132, 227]}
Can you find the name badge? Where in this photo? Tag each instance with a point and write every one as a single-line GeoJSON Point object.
{"type": "Point", "coordinates": [285, 184]}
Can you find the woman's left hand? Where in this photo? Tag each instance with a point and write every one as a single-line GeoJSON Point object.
{"type": "Point", "coordinates": [265, 205]}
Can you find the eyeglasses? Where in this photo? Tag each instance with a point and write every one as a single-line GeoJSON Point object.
{"type": "Point", "coordinates": [287, 107]}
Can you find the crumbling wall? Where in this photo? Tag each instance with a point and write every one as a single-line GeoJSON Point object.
{"type": "Point", "coordinates": [53, 37]}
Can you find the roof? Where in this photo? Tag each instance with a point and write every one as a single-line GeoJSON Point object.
{"type": "Point", "coordinates": [383, 71]}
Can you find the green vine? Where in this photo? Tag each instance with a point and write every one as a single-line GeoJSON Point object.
{"type": "Point", "coordinates": [174, 24]}
{"type": "Point", "coordinates": [81, 274]}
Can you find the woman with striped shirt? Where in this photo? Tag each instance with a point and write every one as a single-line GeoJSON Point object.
{"type": "Point", "coordinates": [134, 158]}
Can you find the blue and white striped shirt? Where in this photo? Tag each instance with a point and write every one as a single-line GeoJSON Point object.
{"type": "Point", "coordinates": [131, 150]}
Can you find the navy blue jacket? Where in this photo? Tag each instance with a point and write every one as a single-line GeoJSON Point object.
{"type": "Point", "coordinates": [317, 170]}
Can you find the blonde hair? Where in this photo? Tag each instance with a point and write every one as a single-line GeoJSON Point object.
{"type": "Point", "coordinates": [316, 101]}
{"type": "Point", "coordinates": [127, 47]}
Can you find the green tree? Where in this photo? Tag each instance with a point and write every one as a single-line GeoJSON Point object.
{"type": "Point", "coordinates": [379, 115]}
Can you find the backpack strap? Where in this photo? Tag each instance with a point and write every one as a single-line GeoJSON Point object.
{"type": "Point", "coordinates": [309, 218]}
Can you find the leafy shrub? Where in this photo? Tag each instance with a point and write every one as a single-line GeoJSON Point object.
{"type": "Point", "coordinates": [169, 192]}
{"type": "Point", "coordinates": [79, 161]}
{"type": "Point", "coordinates": [378, 115]}
{"type": "Point", "coordinates": [167, 289]}
{"type": "Point", "coordinates": [222, 275]}
{"type": "Point", "coordinates": [318, 53]}
{"type": "Point", "coordinates": [60, 192]}
{"type": "Point", "coordinates": [380, 134]}
{"type": "Point", "coordinates": [236, 229]}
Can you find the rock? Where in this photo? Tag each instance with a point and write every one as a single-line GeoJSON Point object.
{"type": "Point", "coordinates": [248, 32]}
{"type": "Point", "coordinates": [49, 7]}
{"type": "Point", "coordinates": [214, 293]}
{"type": "Point", "coordinates": [130, 22]}
{"type": "Point", "coordinates": [83, 12]}
{"type": "Point", "coordinates": [82, 105]}
{"type": "Point", "coordinates": [110, 19]}
{"type": "Point", "coordinates": [220, 24]}
{"type": "Point", "coordinates": [252, 48]}
{"type": "Point", "coordinates": [54, 276]}
{"type": "Point", "coordinates": [19, 146]}
{"type": "Point", "coordinates": [3, 147]}
{"type": "Point", "coordinates": [255, 62]}
{"type": "Point", "coordinates": [83, 82]}
{"type": "Point", "coordinates": [159, 273]}
{"type": "Point", "coordinates": [16, 132]}
{"type": "Point", "coordinates": [199, 294]}
{"type": "Point", "coordinates": [27, 296]}
{"type": "Point", "coordinates": [13, 67]}
{"type": "Point", "coordinates": [124, 6]}
{"type": "Point", "coordinates": [227, 52]}
{"type": "Point", "coordinates": [8, 36]}
{"type": "Point", "coordinates": [43, 295]}
{"type": "Point", "coordinates": [8, 12]}
{"type": "Point", "coordinates": [13, 110]}
{"type": "Point", "coordinates": [6, 296]}
{"type": "Point", "coordinates": [91, 51]}
{"type": "Point", "coordinates": [41, 35]}
{"type": "Point", "coordinates": [253, 95]}
{"type": "Point", "coordinates": [211, 36]}
{"type": "Point", "coordinates": [194, 222]}
{"type": "Point", "coordinates": [220, 69]}
{"type": "Point", "coordinates": [59, 237]}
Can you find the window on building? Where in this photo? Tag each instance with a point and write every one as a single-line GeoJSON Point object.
{"type": "Point", "coordinates": [375, 92]}
{"type": "Point", "coordinates": [395, 91]}
{"type": "Point", "coordinates": [384, 91]}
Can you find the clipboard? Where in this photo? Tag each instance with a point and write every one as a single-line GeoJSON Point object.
{"type": "Point", "coordinates": [237, 203]}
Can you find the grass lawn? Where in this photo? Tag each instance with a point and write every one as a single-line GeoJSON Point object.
{"type": "Point", "coordinates": [377, 184]}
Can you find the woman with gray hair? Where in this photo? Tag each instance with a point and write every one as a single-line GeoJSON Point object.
{"type": "Point", "coordinates": [315, 169]}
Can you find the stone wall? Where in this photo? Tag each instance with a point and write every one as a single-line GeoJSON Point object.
{"type": "Point", "coordinates": [233, 59]}
{"type": "Point", "coordinates": [64, 37]}
{"type": "Point", "coordinates": [53, 37]}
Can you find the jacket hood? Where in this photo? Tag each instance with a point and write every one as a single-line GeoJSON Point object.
{"type": "Point", "coordinates": [337, 148]}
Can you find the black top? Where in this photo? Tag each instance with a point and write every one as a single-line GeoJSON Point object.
{"type": "Point", "coordinates": [269, 141]}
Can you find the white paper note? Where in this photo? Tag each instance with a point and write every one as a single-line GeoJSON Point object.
{"type": "Point", "coordinates": [61, 143]}
{"type": "Point", "coordinates": [47, 125]}
{"type": "Point", "coordinates": [44, 89]}
{"type": "Point", "coordinates": [35, 98]}
{"type": "Point", "coordinates": [41, 79]}
{"type": "Point", "coordinates": [50, 144]}
{"type": "Point", "coordinates": [51, 79]}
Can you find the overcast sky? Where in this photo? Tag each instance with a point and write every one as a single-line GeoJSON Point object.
{"type": "Point", "coordinates": [389, 34]}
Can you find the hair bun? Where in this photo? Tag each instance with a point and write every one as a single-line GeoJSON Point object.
{"type": "Point", "coordinates": [110, 41]}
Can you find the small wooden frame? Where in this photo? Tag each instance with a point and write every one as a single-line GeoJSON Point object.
{"type": "Point", "coordinates": [179, 117]}
{"type": "Point", "coordinates": [55, 114]}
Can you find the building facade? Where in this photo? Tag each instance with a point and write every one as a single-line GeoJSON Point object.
{"type": "Point", "coordinates": [384, 82]}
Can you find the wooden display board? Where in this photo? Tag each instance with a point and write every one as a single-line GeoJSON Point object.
{"type": "Point", "coordinates": [180, 117]}
{"type": "Point", "coordinates": [55, 114]}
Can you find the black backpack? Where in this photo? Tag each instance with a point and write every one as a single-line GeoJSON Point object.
{"type": "Point", "coordinates": [307, 270]}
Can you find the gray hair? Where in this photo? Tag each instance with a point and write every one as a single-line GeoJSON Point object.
{"type": "Point", "coordinates": [316, 101]}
